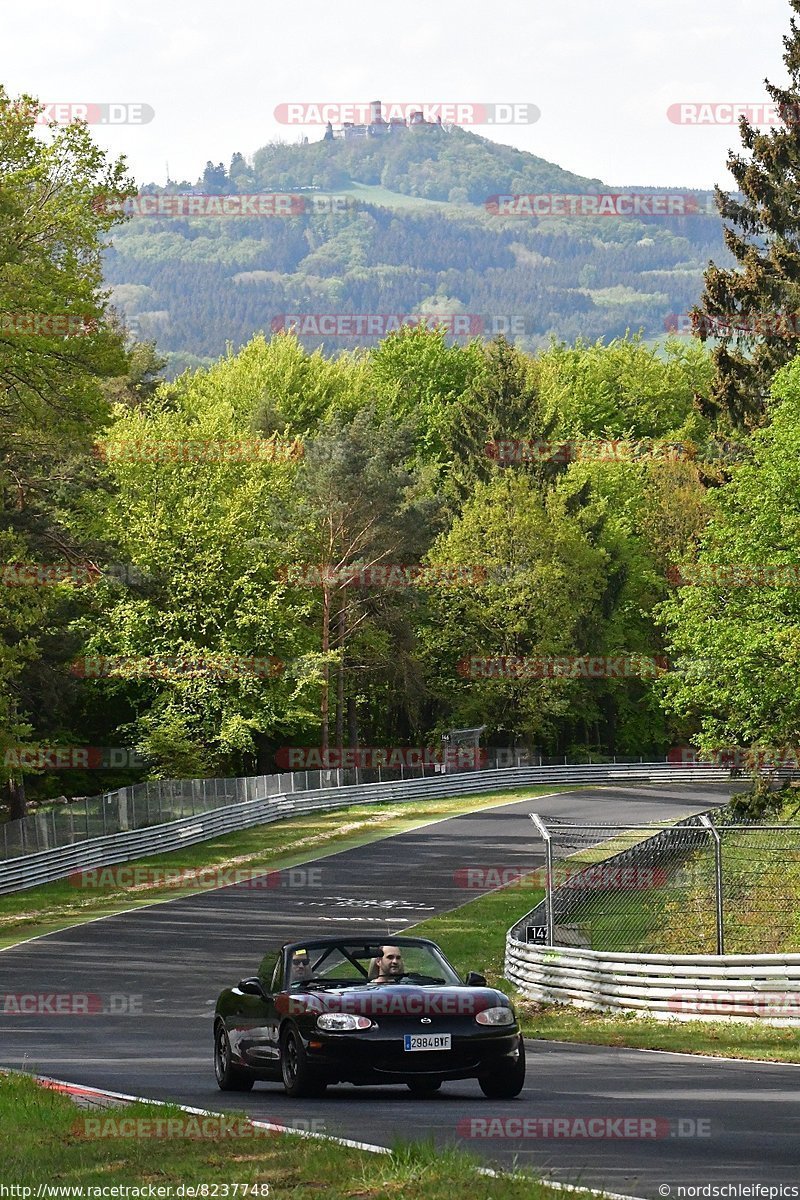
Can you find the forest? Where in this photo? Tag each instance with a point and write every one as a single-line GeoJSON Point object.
{"type": "Point", "coordinates": [295, 546]}
{"type": "Point", "coordinates": [403, 225]}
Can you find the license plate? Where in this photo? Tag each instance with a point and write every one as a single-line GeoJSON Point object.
{"type": "Point", "coordinates": [427, 1041]}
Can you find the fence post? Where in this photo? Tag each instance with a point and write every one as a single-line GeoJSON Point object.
{"type": "Point", "coordinates": [705, 821]}
{"type": "Point", "coordinates": [548, 853]}
{"type": "Point", "coordinates": [86, 813]}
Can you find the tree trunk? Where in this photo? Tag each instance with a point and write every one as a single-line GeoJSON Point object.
{"type": "Point", "coordinates": [16, 799]}
{"type": "Point", "coordinates": [352, 721]}
{"type": "Point", "coordinates": [340, 633]}
{"type": "Point", "coordinates": [326, 642]}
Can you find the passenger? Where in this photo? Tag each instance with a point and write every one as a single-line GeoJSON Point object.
{"type": "Point", "coordinates": [388, 964]}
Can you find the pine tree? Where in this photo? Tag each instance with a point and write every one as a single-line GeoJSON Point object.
{"type": "Point", "coordinates": [753, 308]}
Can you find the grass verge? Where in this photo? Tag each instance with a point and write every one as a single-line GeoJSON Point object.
{"type": "Point", "coordinates": [282, 844]}
{"type": "Point", "coordinates": [473, 937]}
{"type": "Point", "coordinates": [45, 1138]}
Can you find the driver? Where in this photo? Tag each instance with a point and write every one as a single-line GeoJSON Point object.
{"type": "Point", "coordinates": [300, 968]}
{"type": "Point", "coordinates": [389, 964]}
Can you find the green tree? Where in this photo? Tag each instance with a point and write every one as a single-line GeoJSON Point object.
{"type": "Point", "coordinates": [543, 580]}
{"type": "Point", "coordinates": [57, 345]}
{"type": "Point", "coordinates": [199, 503]}
{"type": "Point", "coordinates": [752, 308]}
{"type": "Point", "coordinates": [360, 506]}
{"type": "Point", "coordinates": [736, 649]}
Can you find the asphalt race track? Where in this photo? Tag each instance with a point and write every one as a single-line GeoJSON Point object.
{"type": "Point", "coordinates": [715, 1121]}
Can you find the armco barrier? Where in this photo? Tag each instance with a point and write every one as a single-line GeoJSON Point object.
{"type": "Point", "coordinates": [49, 865]}
{"type": "Point", "coordinates": [687, 987]}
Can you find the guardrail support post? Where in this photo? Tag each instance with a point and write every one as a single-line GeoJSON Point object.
{"type": "Point", "coordinates": [708, 824]}
{"type": "Point", "coordinates": [548, 853]}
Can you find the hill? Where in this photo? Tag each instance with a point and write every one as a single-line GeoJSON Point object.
{"type": "Point", "coordinates": [402, 224]}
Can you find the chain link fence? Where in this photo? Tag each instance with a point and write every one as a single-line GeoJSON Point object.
{"type": "Point", "coordinates": [143, 805]}
{"type": "Point", "coordinates": [698, 887]}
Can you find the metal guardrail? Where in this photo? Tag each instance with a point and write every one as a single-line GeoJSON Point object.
{"type": "Point", "coordinates": [45, 866]}
{"type": "Point", "coordinates": [156, 802]}
{"type": "Point", "coordinates": [700, 987]}
{"type": "Point", "coordinates": [686, 987]}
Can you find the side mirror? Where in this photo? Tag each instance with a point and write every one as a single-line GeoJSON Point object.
{"type": "Point", "coordinates": [252, 987]}
{"type": "Point", "coordinates": [475, 980]}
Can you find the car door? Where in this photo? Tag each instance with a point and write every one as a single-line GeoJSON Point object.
{"type": "Point", "coordinates": [260, 1019]}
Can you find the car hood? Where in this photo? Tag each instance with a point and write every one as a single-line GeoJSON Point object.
{"type": "Point", "coordinates": [395, 999]}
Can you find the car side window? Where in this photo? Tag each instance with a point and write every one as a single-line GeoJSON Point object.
{"type": "Point", "coordinates": [277, 978]}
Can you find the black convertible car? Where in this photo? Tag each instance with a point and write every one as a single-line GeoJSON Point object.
{"type": "Point", "coordinates": [365, 1011]}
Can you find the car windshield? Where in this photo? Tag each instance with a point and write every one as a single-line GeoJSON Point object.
{"type": "Point", "coordinates": [359, 964]}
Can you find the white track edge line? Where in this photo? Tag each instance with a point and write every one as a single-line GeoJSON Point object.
{"type": "Point", "coordinates": [306, 1133]}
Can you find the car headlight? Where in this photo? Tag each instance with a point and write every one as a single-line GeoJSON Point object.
{"type": "Point", "coordinates": [342, 1021]}
{"type": "Point", "coordinates": [495, 1016]}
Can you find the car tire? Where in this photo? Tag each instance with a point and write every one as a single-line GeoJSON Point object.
{"type": "Point", "coordinates": [424, 1087]}
{"type": "Point", "coordinates": [507, 1080]}
{"type": "Point", "coordinates": [230, 1078]}
{"type": "Point", "coordinates": [299, 1078]}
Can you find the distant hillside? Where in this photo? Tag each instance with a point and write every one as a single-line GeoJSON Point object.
{"type": "Point", "coordinates": [457, 166]}
{"type": "Point", "coordinates": [415, 237]}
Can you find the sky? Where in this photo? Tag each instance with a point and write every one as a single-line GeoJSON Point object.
{"type": "Point", "coordinates": [212, 74]}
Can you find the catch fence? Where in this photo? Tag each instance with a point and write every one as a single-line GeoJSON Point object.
{"type": "Point", "coordinates": [161, 801]}
{"type": "Point", "coordinates": [703, 886]}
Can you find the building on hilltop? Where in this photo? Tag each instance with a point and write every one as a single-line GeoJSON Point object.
{"type": "Point", "coordinates": [378, 126]}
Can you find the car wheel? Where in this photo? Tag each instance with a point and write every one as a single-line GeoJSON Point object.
{"type": "Point", "coordinates": [299, 1078]}
{"type": "Point", "coordinates": [507, 1080]}
{"type": "Point", "coordinates": [230, 1078]}
{"type": "Point", "coordinates": [424, 1087]}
